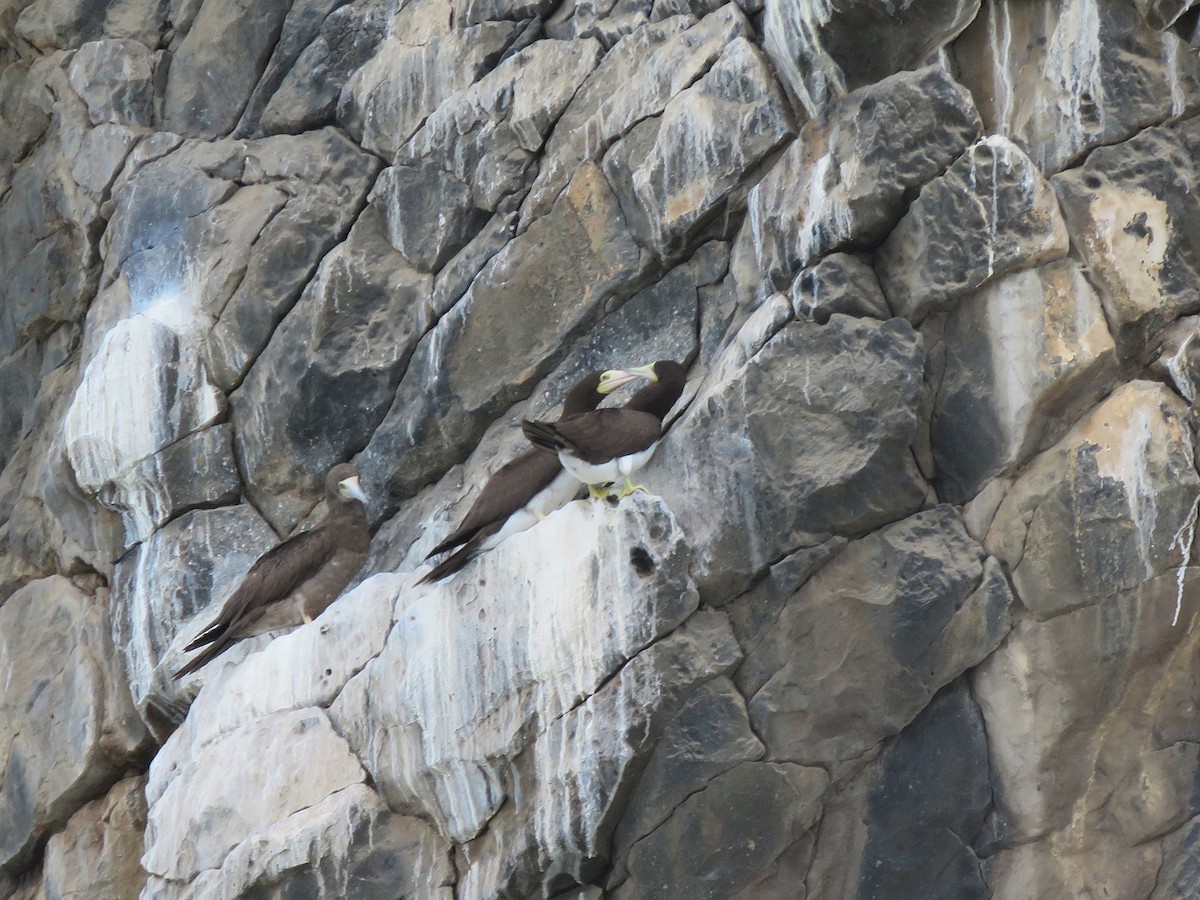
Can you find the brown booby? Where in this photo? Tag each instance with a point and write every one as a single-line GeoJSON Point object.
{"type": "Point", "coordinates": [295, 581]}
{"type": "Point", "coordinates": [603, 446]}
{"type": "Point", "coordinates": [524, 491]}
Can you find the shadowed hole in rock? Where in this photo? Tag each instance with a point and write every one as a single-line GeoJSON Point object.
{"type": "Point", "coordinates": [642, 562]}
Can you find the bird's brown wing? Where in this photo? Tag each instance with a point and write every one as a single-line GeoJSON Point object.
{"type": "Point", "coordinates": [513, 485]}
{"type": "Point", "coordinates": [605, 434]}
{"type": "Point", "coordinates": [277, 573]}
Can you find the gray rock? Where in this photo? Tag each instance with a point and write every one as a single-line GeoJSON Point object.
{"type": "Point", "coordinates": [178, 577]}
{"type": "Point", "coordinates": [710, 735]}
{"type": "Point", "coordinates": [672, 172]}
{"type": "Point", "coordinates": [724, 837]}
{"type": "Point", "coordinates": [840, 283]}
{"type": "Point", "coordinates": [476, 148]}
{"type": "Point", "coordinates": [1105, 508]}
{"type": "Point", "coordinates": [805, 430]}
{"type": "Point", "coordinates": [491, 348]}
{"type": "Point", "coordinates": [849, 175]}
{"type": "Point", "coordinates": [1062, 78]}
{"type": "Point", "coordinates": [1136, 230]}
{"type": "Point", "coordinates": [207, 85]}
{"type": "Point", "coordinates": [98, 853]}
{"type": "Point", "coordinates": [69, 23]}
{"type": "Point", "coordinates": [1022, 359]}
{"type": "Point", "coordinates": [67, 725]}
{"type": "Point", "coordinates": [818, 49]}
{"type": "Point", "coordinates": [925, 607]}
{"type": "Point", "coordinates": [1178, 357]}
{"type": "Point", "coordinates": [308, 93]}
{"type": "Point", "coordinates": [384, 102]}
{"type": "Point", "coordinates": [634, 81]}
{"type": "Point", "coordinates": [990, 214]}
{"type": "Point", "coordinates": [527, 661]}
{"type": "Point", "coordinates": [1161, 14]}
{"type": "Point", "coordinates": [101, 155]}
{"type": "Point", "coordinates": [116, 81]}
{"type": "Point", "coordinates": [329, 372]}
{"type": "Point", "coordinates": [565, 785]}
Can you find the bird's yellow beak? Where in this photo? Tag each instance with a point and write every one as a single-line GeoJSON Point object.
{"type": "Point", "coordinates": [613, 379]}
{"type": "Point", "coordinates": [351, 488]}
{"type": "Point", "coordinates": [646, 372]}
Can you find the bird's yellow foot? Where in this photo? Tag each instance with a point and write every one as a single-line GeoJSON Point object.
{"type": "Point", "coordinates": [306, 617]}
{"type": "Point", "coordinates": [631, 488]}
{"type": "Point", "coordinates": [541, 517]}
{"type": "Point", "coordinates": [596, 492]}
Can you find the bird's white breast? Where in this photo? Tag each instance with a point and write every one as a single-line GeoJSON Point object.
{"type": "Point", "coordinates": [613, 470]}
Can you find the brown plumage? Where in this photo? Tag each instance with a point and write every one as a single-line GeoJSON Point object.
{"type": "Point", "coordinates": [294, 581]}
{"type": "Point", "coordinates": [602, 446]}
{"type": "Point", "coordinates": [521, 491]}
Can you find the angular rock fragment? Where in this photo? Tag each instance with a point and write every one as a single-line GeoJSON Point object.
{"type": "Point", "coordinates": [67, 724]}
{"type": "Point", "coordinates": [849, 175]}
{"type": "Point", "coordinates": [1023, 358]}
{"type": "Point", "coordinates": [1134, 216]}
{"type": "Point", "coordinates": [1105, 508]}
{"type": "Point", "coordinates": [840, 283]}
{"type": "Point", "coordinates": [813, 440]}
{"type": "Point", "coordinates": [99, 852]}
{"type": "Point", "coordinates": [116, 81]}
{"type": "Point", "coordinates": [991, 213]}
{"type": "Point", "coordinates": [1060, 78]}
{"type": "Point", "coordinates": [867, 641]}
{"type": "Point", "coordinates": [818, 47]}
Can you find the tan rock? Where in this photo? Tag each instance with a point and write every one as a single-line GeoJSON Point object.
{"type": "Point", "coordinates": [99, 852]}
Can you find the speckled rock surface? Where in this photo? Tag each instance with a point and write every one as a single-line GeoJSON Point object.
{"type": "Point", "coordinates": [909, 608]}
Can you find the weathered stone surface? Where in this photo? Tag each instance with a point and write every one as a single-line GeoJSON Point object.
{"type": "Point", "coordinates": [143, 391]}
{"type": "Point", "coordinates": [101, 155]}
{"type": "Point", "coordinates": [990, 214]}
{"type": "Point", "coordinates": [1106, 508]}
{"type": "Point", "coordinates": [749, 817]}
{"type": "Point", "coordinates": [910, 824]}
{"type": "Point", "coordinates": [67, 725]}
{"type": "Point", "coordinates": [710, 735]}
{"type": "Point", "coordinates": [1022, 359]}
{"type": "Point", "coordinates": [308, 93]}
{"type": "Point", "coordinates": [1062, 78]}
{"type": "Point", "coordinates": [385, 101]}
{"type": "Point", "coordinates": [199, 813]}
{"type": "Point", "coordinates": [181, 574]}
{"type": "Point", "coordinates": [1178, 358]}
{"type": "Point", "coordinates": [68, 23]}
{"type": "Point", "coordinates": [634, 81]}
{"type": "Point", "coordinates": [840, 283]}
{"type": "Point", "coordinates": [208, 86]}
{"type": "Point", "coordinates": [524, 662]}
{"type": "Point", "coordinates": [925, 605]}
{"type": "Point", "coordinates": [1092, 737]}
{"type": "Point", "coordinates": [805, 430]}
{"type": "Point", "coordinates": [116, 81]}
{"type": "Point", "coordinates": [490, 349]}
{"type": "Point", "coordinates": [817, 48]}
{"type": "Point", "coordinates": [847, 177]}
{"type": "Point", "coordinates": [1133, 214]}
{"type": "Point", "coordinates": [673, 171]}
{"type": "Point", "coordinates": [98, 854]}
{"type": "Point", "coordinates": [476, 148]}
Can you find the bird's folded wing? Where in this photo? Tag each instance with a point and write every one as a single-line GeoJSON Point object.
{"type": "Point", "coordinates": [277, 573]}
{"type": "Point", "coordinates": [606, 434]}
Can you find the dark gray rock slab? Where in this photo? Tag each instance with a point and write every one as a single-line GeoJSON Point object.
{"type": "Point", "coordinates": [307, 95]}
{"type": "Point", "coordinates": [209, 82]}
{"type": "Point", "coordinates": [507, 333]}
{"type": "Point", "coordinates": [850, 174]}
{"type": "Point", "coordinates": [925, 606]}
{"type": "Point", "coordinates": [840, 283]}
{"type": "Point", "coordinates": [990, 214]}
{"type": "Point", "coordinates": [818, 48]}
{"type": "Point", "coordinates": [721, 840]}
{"type": "Point", "coordinates": [68, 23]}
{"type": "Point", "coordinates": [805, 430]}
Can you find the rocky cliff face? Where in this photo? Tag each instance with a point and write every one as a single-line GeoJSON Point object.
{"type": "Point", "coordinates": [911, 609]}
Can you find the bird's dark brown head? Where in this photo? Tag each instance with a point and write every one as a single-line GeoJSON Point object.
{"type": "Point", "coordinates": [669, 378]}
{"type": "Point", "coordinates": [342, 487]}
